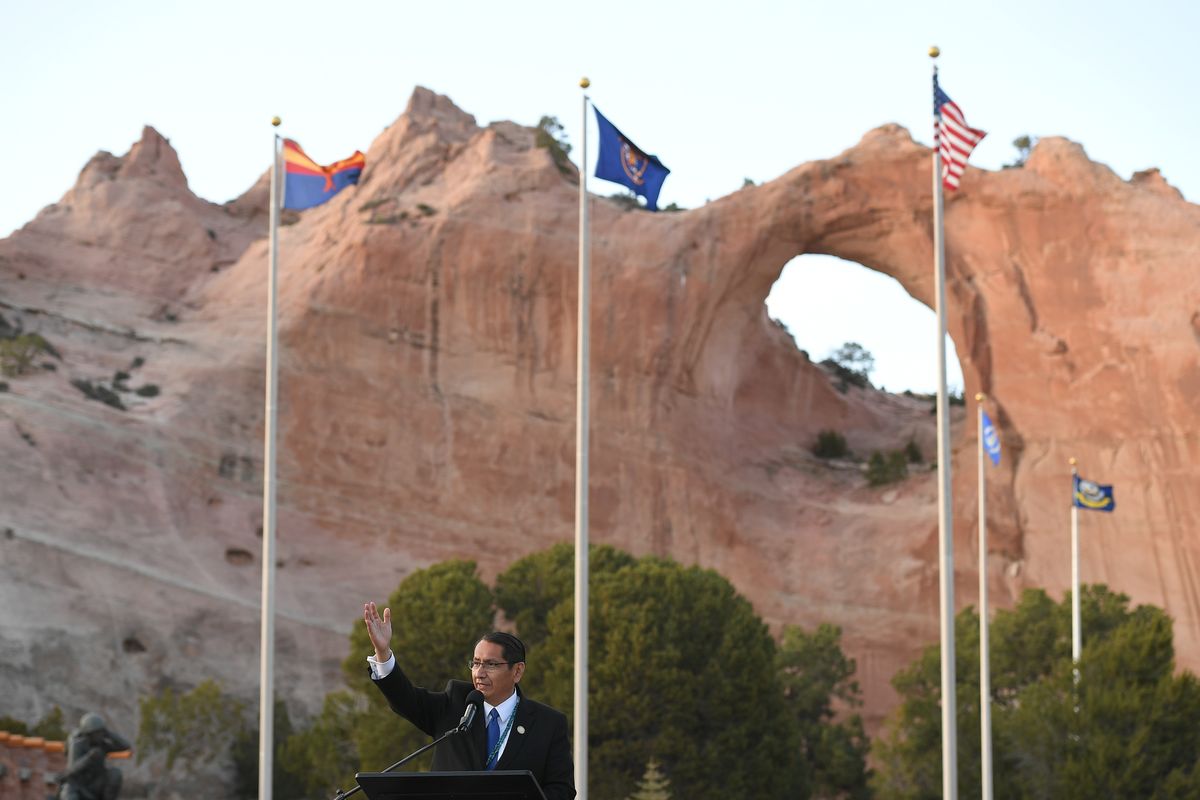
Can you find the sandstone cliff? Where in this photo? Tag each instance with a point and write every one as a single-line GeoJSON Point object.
{"type": "Point", "coordinates": [427, 400]}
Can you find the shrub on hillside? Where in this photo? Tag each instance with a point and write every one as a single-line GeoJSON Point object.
{"type": "Point", "coordinates": [887, 468]}
{"type": "Point", "coordinates": [830, 444]}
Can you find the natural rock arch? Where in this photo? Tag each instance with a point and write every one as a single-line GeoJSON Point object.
{"type": "Point", "coordinates": [427, 321]}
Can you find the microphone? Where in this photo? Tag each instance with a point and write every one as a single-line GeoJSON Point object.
{"type": "Point", "coordinates": [474, 698]}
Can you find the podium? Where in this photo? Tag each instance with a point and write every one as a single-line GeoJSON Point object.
{"type": "Point", "coordinates": [494, 785]}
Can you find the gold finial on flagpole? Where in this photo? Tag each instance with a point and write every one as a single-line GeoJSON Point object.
{"type": "Point", "coordinates": [980, 397]}
{"type": "Point", "coordinates": [584, 82]}
{"type": "Point", "coordinates": [276, 121]}
{"type": "Point", "coordinates": [934, 52]}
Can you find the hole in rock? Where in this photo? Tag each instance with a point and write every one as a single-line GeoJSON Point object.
{"type": "Point", "coordinates": [133, 645]}
{"type": "Point", "coordinates": [825, 302]}
{"type": "Point", "coordinates": [238, 557]}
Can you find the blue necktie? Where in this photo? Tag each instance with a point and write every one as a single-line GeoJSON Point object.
{"type": "Point", "coordinates": [493, 737]}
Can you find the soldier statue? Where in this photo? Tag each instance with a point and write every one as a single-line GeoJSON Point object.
{"type": "Point", "coordinates": [87, 776]}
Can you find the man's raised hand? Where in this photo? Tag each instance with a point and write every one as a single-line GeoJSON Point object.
{"type": "Point", "coordinates": [380, 630]}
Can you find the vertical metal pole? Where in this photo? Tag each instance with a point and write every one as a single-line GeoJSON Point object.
{"type": "Point", "coordinates": [1076, 622]}
{"type": "Point", "coordinates": [985, 669]}
{"type": "Point", "coordinates": [581, 478]}
{"type": "Point", "coordinates": [945, 522]}
{"type": "Point", "coordinates": [266, 707]}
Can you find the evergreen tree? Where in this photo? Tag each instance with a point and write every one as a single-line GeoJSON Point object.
{"type": "Point", "coordinates": [193, 728]}
{"type": "Point", "coordinates": [852, 365]}
{"type": "Point", "coordinates": [679, 665]}
{"type": "Point", "coordinates": [1127, 729]}
{"type": "Point", "coordinates": [184, 732]}
{"type": "Point", "coordinates": [533, 586]}
{"type": "Point", "coordinates": [816, 674]}
{"type": "Point", "coordinates": [654, 785]}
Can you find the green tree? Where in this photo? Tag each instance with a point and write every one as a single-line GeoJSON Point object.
{"type": "Point", "coordinates": [816, 674]}
{"type": "Point", "coordinates": [17, 354]}
{"type": "Point", "coordinates": [286, 777]}
{"type": "Point", "coordinates": [551, 135]}
{"type": "Point", "coordinates": [909, 758]}
{"type": "Point", "coordinates": [1127, 729]}
{"type": "Point", "coordinates": [324, 755]}
{"type": "Point", "coordinates": [830, 444]}
{"type": "Point", "coordinates": [720, 722]}
{"type": "Point", "coordinates": [853, 356]}
{"type": "Point", "coordinates": [194, 727]}
{"type": "Point", "coordinates": [626, 200]}
{"type": "Point", "coordinates": [883, 469]}
{"type": "Point", "coordinates": [680, 666]}
{"type": "Point", "coordinates": [1024, 145]}
{"type": "Point", "coordinates": [851, 364]}
{"type": "Point", "coordinates": [685, 638]}
{"type": "Point", "coordinates": [533, 586]}
{"type": "Point", "coordinates": [13, 725]}
{"type": "Point", "coordinates": [52, 726]}
{"type": "Point", "coordinates": [205, 726]}
{"type": "Point", "coordinates": [653, 785]}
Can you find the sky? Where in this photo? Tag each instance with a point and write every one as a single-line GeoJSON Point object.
{"type": "Point", "coordinates": [720, 91]}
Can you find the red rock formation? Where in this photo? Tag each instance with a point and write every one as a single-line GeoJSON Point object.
{"type": "Point", "coordinates": [427, 399]}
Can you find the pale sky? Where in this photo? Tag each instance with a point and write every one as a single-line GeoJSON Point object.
{"type": "Point", "coordinates": [720, 91]}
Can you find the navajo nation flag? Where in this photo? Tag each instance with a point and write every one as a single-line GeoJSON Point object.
{"type": "Point", "coordinates": [953, 137]}
{"type": "Point", "coordinates": [308, 184]}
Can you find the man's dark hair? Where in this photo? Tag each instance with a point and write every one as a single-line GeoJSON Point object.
{"type": "Point", "coordinates": [512, 647]}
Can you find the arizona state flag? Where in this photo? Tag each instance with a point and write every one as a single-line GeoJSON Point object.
{"type": "Point", "coordinates": [621, 161]}
{"type": "Point", "coordinates": [307, 183]}
{"type": "Point", "coordinates": [1090, 495]}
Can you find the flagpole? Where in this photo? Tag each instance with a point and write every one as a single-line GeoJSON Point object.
{"type": "Point", "coordinates": [985, 669]}
{"type": "Point", "coordinates": [1076, 624]}
{"type": "Point", "coordinates": [266, 716]}
{"type": "Point", "coordinates": [581, 475]}
{"type": "Point", "coordinates": [945, 524]}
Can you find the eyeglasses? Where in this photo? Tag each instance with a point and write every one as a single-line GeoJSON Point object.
{"type": "Point", "coordinates": [488, 666]}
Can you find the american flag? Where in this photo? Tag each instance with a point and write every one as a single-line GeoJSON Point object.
{"type": "Point", "coordinates": [952, 136]}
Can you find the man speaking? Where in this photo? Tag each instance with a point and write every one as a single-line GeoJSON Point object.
{"type": "Point", "coordinates": [516, 733]}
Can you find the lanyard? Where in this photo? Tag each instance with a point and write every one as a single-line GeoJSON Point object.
{"type": "Point", "coordinates": [495, 754]}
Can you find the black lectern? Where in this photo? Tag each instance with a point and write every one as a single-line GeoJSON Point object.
{"type": "Point", "coordinates": [495, 785]}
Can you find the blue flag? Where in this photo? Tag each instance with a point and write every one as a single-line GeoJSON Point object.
{"type": "Point", "coordinates": [1093, 496]}
{"type": "Point", "coordinates": [307, 183]}
{"type": "Point", "coordinates": [622, 161]}
{"type": "Point", "coordinates": [991, 440]}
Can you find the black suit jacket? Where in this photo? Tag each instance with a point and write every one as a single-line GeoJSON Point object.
{"type": "Point", "coordinates": [543, 748]}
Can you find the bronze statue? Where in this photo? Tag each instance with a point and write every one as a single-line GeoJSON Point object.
{"type": "Point", "coordinates": [87, 777]}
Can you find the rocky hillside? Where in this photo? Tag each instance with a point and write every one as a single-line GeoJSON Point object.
{"type": "Point", "coordinates": [427, 400]}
